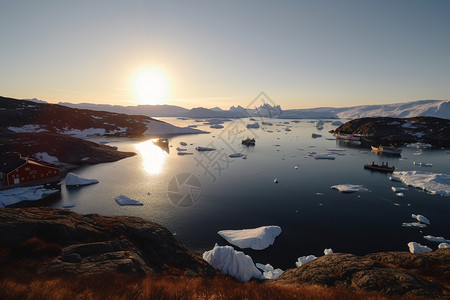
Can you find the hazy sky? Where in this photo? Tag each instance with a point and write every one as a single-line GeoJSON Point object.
{"type": "Point", "coordinates": [222, 53]}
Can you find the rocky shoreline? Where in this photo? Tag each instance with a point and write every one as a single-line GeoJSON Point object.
{"type": "Point", "coordinates": [60, 241]}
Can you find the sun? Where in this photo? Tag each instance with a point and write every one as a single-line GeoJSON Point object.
{"type": "Point", "coordinates": [150, 86]}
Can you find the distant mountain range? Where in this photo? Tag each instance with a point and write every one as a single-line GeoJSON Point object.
{"type": "Point", "coordinates": [432, 108]}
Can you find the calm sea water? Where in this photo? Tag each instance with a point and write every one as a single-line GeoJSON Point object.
{"type": "Point", "coordinates": [235, 193]}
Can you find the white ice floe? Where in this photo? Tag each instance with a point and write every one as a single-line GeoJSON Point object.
{"type": "Point", "coordinates": [181, 149]}
{"type": "Point", "coordinates": [349, 188]}
{"type": "Point", "coordinates": [255, 238]}
{"type": "Point", "coordinates": [204, 149]}
{"type": "Point", "coordinates": [324, 156]}
{"type": "Point", "coordinates": [44, 156]}
{"type": "Point", "coordinates": [436, 239]}
{"type": "Point", "coordinates": [304, 259]}
{"type": "Point", "coordinates": [124, 200]}
{"type": "Point", "coordinates": [393, 178]}
{"type": "Point", "coordinates": [268, 271]}
{"type": "Point", "coordinates": [414, 224]}
{"type": "Point", "coordinates": [275, 180]}
{"type": "Point", "coordinates": [236, 155]}
{"type": "Point", "coordinates": [183, 143]}
{"type": "Point", "coordinates": [433, 183]}
{"type": "Point", "coordinates": [27, 128]}
{"type": "Point", "coordinates": [418, 248]}
{"type": "Point", "coordinates": [397, 189]}
{"type": "Point", "coordinates": [163, 128]}
{"type": "Point", "coordinates": [68, 205]}
{"type": "Point", "coordinates": [443, 245]}
{"type": "Point", "coordinates": [31, 193]}
{"type": "Point", "coordinates": [401, 195]}
{"type": "Point", "coordinates": [232, 262]}
{"type": "Point", "coordinates": [421, 218]}
{"type": "Point", "coordinates": [254, 125]}
{"type": "Point", "coordinates": [422, 164]}
{"type": "Point", "coordinates": [328, 251]}
{"type": "Point", "coordinates": [73, 179]}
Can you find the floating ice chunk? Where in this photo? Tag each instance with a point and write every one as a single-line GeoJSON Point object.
{"type": "Point", "coordinates": [418, 248]}
{"type": "Point", "coordinates": [255, 238]}
{"type": "Point", "coordinates": [184, 153]}
{"type": "Point", "coordinates": [73, 179]}
{"type": "Point", "coordinates": [103, 142]}
{"type": "Point", "coordinates": [328, 251]}
{"type": "Point", "coordinates": [304, 259]}
{"type": "Point", "coordinates": [422, 164]}
{"type": "Point", "coordinates": [44, 156]}
{"type": "Point", "coordinates": [421, 218]}
{"type": "Point", "coordinates": [268, 271]}
{"type": "Point", "coordinates": [236, 155]}
{"type": "Point", "coordinates": [349, 188]}
{"type": "Point", "coordinates": [275, 180]}
{"type": "Point", "coordinates": [417, 153]}
{"type": "Point", "coordinates": [254, 125]}
{"type": "Point", "coordinates": [393, 178]}
{"type": "Point", "coordinates": [287, 129]}
{"type": "Point", "coordinates": [324, 156]}
{"type": "Point", "coordinates": [399, 195]}
{"type": "Point", "coordinates": [436, 239]}
{"type": "Point", "coordinates": [414, 224]}
{"type": "Point", "coordinates": [124, 200]}
{"type": "Point", "coordinates": [396, 189]}
{"type": "Point", "coordinates": [433, 183]}
{"type": "Point", "coordinates": [204, 149]}
{"type": "Point", "coordinates": [31, 193]}
{"type": "Point", "coordinates": [443, 245]}
{"type": "Point", "coordinates": [232, 262]}
{"type": "Point", "coordinates": [183, 143]}
{"type": "Point", "coordinates": [85, 158]}
{"type": "Point", "coordinates": [68, 205]}
{"type": "Point", "coordinates": [216, 126]}
{"type": "Point", "coordinates": [181, 149]}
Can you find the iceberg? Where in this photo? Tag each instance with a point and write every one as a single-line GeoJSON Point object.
{"type": "Point", "coordinates": [30, 193]}
{"type": "Point", "coordinates": [304, 259]}
{"type": "Point", "coordinates": [124, 200]}
{"type": "Point", "coordinates": [443, 245]}
{"type": "Point", "coordinates": [181, 149]}
{"type": "Point", "coordinates": [398, 189]}
{"type": "Point", "coordinates": [324, 156]}
{"type": "Point", "coordinates": [349, 188]}
{"type": "Point", "coordinates": [257, 238]}
{"type": "Point", "coordinates": [236, 155]}
{"type": "Point", "coordinates": [328, 251]}
{"type": "Point", "coordinates": [254, 125]}
{"type": "Point", "coordinates": [184, 153]}
{"type": "Point", "coordinates": [433, 183]}
{"type": "Point", "coordinates": [183, 143]}
{"type": "Point", "coordinates": [436, 239]}
{"type": "Point", "coordinates": [393, 178]}
{"type": "Point", "coordinates": [268, 271]}
{"type": "Point", "coordinates": [73, 179]}
{"type": "Point", "coordinates": [204, 149]}
{"type": "Point", "coordinates": [418, 248]}
{"type": "Point", "coordinates": [232, 262]}
{"type": "Point", "coordinates": [161, 128]}
{"type": "Point", "coordinates": [415, 163]}
{"type": "Point", "coordinates": [414, 224]}
{"type": "Point", "coordinates": [421, 218]}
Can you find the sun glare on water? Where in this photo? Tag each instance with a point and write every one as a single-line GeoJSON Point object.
{"type": "Point", "coordinates": [150, 86]}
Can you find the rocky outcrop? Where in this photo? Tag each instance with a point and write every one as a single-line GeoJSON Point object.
{"type": "Point", "coordinates": [400, 131]}
{"type": "Point", "coordinates": [84, 244]}
{"type": "Point", "coordinates": [391, 273]}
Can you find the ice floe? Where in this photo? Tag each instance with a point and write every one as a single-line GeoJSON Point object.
{"type": "Point", "coordinates": [124, 200]}
{"type": "Point", "coordinates": [184, 153]}
{"type": "Point", "coordinates": [399, 195]}
{"type": "Point", "coordinates": [216, 126]}
{"type": "Point", "coordinates": [268, 271]}
{"type": "Point", "coordinates": [421, 218]}
{"type": "Point", "coordinates": [73, 179]}
{"type": "Point", "coordinates": [418, 248]}
{"type": "Point", "coordinates": [236, 155]}
{"type": "Point", "coordinates": [328, 251]}
{"type": "Point", "coordinates": [183, 143]}
{"type": "Point", "coordinates": [30, 193]}
{"type": "Point", "coordinates": [349, 188]}
{"type": "Point", "coordinates": [324, 156]}
{"type": "Point", "coordinates": [204, 149]}
{"type": "Point", "coordinates": [254, 125]}
{"type": "Point", "coordinates": [396, 189]}
{"type": "Point", "coordinates": [232, 262]}
{"type": "Point", "coordinates": [433, 183]}
{"type": "Point", "coordinates": [414, 224]}
{"type": "Point", "coordinates": [44, 156]}
{"type": "Point", "coordinates": [275, 180]}
{"type": "Point", "coordinates": [255, 238]}
{"type": "Point", "coordinates": [393, 178]}
{"type": "Point", "coordinates": [181, 149]}
{"type": "Point", "coordinates": [443, 245]}
{"type": "Point", "coordinates": [422, 164]}
{"type": "Point", "coordinates": [304, 259]}
{"type": "Point", "coordinates": [436, 239]}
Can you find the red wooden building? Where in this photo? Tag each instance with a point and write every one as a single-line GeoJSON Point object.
{"type": "Point", "coordinates": [16, 170]}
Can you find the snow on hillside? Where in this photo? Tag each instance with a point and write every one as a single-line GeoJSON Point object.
{"type": "Point", "coordinates": [161, 128]}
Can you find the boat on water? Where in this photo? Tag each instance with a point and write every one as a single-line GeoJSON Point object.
{"type": "Point", "coordinates": [381, 168]}
{"type": "Point", "coordinates": [387, 150]}
{"type": "Point", "coordinates": [248, 142]}
{"type": "Point", "coordinates": [162, 143]}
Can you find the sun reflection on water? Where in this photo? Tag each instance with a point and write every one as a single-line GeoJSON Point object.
{"type": "Point", "coordinates": [153, 157]}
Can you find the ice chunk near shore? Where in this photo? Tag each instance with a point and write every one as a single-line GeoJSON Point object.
{"type": "Point", "coordinates": [443, 245]}
{"type": "Point", "coordinates": [328, 251]}
{"type": "Point", "coordinates": [30, 193]}
{"type": "Point", "coordinates": [396, 189]}
{"type": "Point", "coordinates": [44, 156]}
{"type": "Point", "coordinates": [232, 262]}
{"type": "Point", "coordinates": [124, 200]}
{"type": "Point", "coordinates": [256, 238]}
{"type": "Point", "coordinates": [393, 178]}
{"type": "Point", "coordinates": [268, 271]}
{"type": "Point", "coordinates": [421, 218]}
{"type": "Point", "coordinates": [349, 188]}
{"type": "Point", "coordinates": [436, 239]}
{"type": "Point", "coordinates": [73, 179]}
{"type": "Point", "coordinates": [414, 224]}
{"type": "Point", "coordinates": [418, 248]}
{"type": "Point", "coordinates": [433, 183]}
{"type": "Point", "coordinates": [304, 259]}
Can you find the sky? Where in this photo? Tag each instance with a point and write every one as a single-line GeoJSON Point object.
{"type": "Point", "coordinates": [302, 54]}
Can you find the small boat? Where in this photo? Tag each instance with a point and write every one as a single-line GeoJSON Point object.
{"type": "Point", "coordinates": [387, 150]}
{"type": "Point", "coordinates": [382, 168]}
{"type": "Point", "coordinates": [248, 142]}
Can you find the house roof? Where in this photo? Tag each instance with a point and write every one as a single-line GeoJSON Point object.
{"type": "Point", "coordinates": [9, 165]}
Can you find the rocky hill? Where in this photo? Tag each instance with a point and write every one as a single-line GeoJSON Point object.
{"type": "Point", "coordinates": [44, 241]}
{"type": "Point", "coordinates": [400, 131]}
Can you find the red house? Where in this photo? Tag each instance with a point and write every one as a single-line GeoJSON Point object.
{"type": "Point", "coordinates": [18, 171]}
